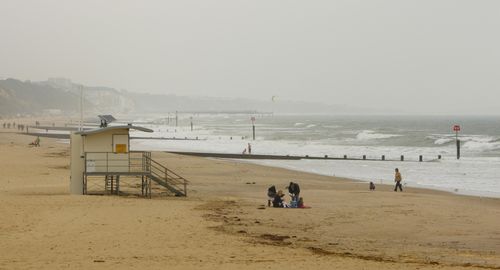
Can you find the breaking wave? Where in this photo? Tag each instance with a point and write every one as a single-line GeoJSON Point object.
{"type": "Point", "coordinates": [366, 135]}
{"type": "Point", "coordinates": [476, 143]}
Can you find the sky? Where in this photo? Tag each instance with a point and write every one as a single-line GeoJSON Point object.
{"type": "Point", "coordinates": [421, 56]}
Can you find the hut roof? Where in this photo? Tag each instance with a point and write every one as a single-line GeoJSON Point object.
{"type": "Point", "coordinates": [99, 130]}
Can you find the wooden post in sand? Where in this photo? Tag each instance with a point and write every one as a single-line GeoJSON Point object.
{"type": "Point", "coordinates": [457, 128]}
{"type": "Point", "coordinates": [402, 158]}
{"type": "Point", "coordinates": [420, 158]}
{"type": "Point", "coordinates": [253, 126]}
{"type": "Point", "coordinates": [383, 157]}
{"type": "Point", "coordinates": [149, 188]}
{"type": "Point", "coordinates": [176, 118]}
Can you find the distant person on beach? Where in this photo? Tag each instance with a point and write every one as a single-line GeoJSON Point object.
{"type": "Point", "coordinates": [398, 179]}
{"type": "Point", "coordinates": [244, 151]}
{"type": "Point", "coordinates": [372, 186]}
{"type": "Point", "coordinates": [249, 148]}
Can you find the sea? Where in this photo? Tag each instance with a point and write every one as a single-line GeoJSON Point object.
{"type": "Point", "coordinates": [476, 173]}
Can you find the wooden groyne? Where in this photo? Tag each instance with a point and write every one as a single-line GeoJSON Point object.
{"type": "Point", "coordinates": [293, 157]}
{"type": "Point", "coordinates": [236, 156]}
{"type": "Point", "coordinates": [169, 138]}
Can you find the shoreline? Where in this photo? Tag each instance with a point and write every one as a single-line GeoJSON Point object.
{"type": "Point", "coordinates": [450, 191]}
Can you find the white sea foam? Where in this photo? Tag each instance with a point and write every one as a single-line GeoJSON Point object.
{"type": "Point", "coordinates": [332, 126]}
{"type": "Point", "coordinates": [366, 135]}
{"type": "Point", "coordinates": [442, 141]}
{"type": "Point", "coordinates": [472, 143]}
{"type": "Point", "coordinates": [482, 146]}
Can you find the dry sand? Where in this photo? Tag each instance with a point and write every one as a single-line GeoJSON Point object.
{"type": "Point", "coordinates": [223, 224]}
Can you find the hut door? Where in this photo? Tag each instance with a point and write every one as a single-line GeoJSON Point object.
{"type": "Point", "coordinates": [120, 143]}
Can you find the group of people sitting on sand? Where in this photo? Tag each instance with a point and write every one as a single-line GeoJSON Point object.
{"type": "Point", "coordinates": [276, 198]}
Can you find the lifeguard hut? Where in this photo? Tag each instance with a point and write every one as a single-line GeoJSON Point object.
{"type": "Point", "coordinates": [102, 163]}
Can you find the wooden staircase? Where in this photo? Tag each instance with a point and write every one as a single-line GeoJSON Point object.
{"type": "Point", "coordinates": [165, 177]}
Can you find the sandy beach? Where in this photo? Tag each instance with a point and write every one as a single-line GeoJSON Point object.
{"type": "Point", "coordinates": [224, 223]}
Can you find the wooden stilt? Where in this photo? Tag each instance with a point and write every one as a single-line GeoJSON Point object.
{"type": "Point", "coordinates": [149, 188]}
{"type": "Point", "coordinates": [111, 180]}
{"type": "Point", "coordinates": [118, 185]}
{"type": "Point", "coordinates": [142, 185]}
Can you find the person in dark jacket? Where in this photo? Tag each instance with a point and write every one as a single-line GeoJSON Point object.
{"type": "Point", "coordinates": [271, 193]}
{"type": "Point", "coordinates": [294, 190]}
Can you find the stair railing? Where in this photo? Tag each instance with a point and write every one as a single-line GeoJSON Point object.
{"type": "Point", "coordinates": [167, 175]}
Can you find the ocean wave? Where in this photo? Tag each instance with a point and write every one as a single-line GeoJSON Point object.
{"type": "Point", "coordinates": [366, 135]}
{"type": "Point", "coordinates": [442, 141]}
{"type": "Point", "coordinates": [481, 146]}
{"type": "Point", "coordinates": [299, 124]}
{"type": "Point", "coordinates": [471, 140]}
{"type": "Point", "coordinates": [475, 143]}
{"type": "Point", "coordinates": [310, 126]}
{"type": "Point", "coordinates": [332, 126]}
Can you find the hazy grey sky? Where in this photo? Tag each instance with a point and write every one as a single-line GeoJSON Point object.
{"type": "Point", "coordinates": [422, 56]}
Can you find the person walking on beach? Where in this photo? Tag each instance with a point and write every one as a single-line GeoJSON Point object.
{"type": "Point", "coordinates": [397, 179]}
{"type": "Point", "coordinates": [249, 149]}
